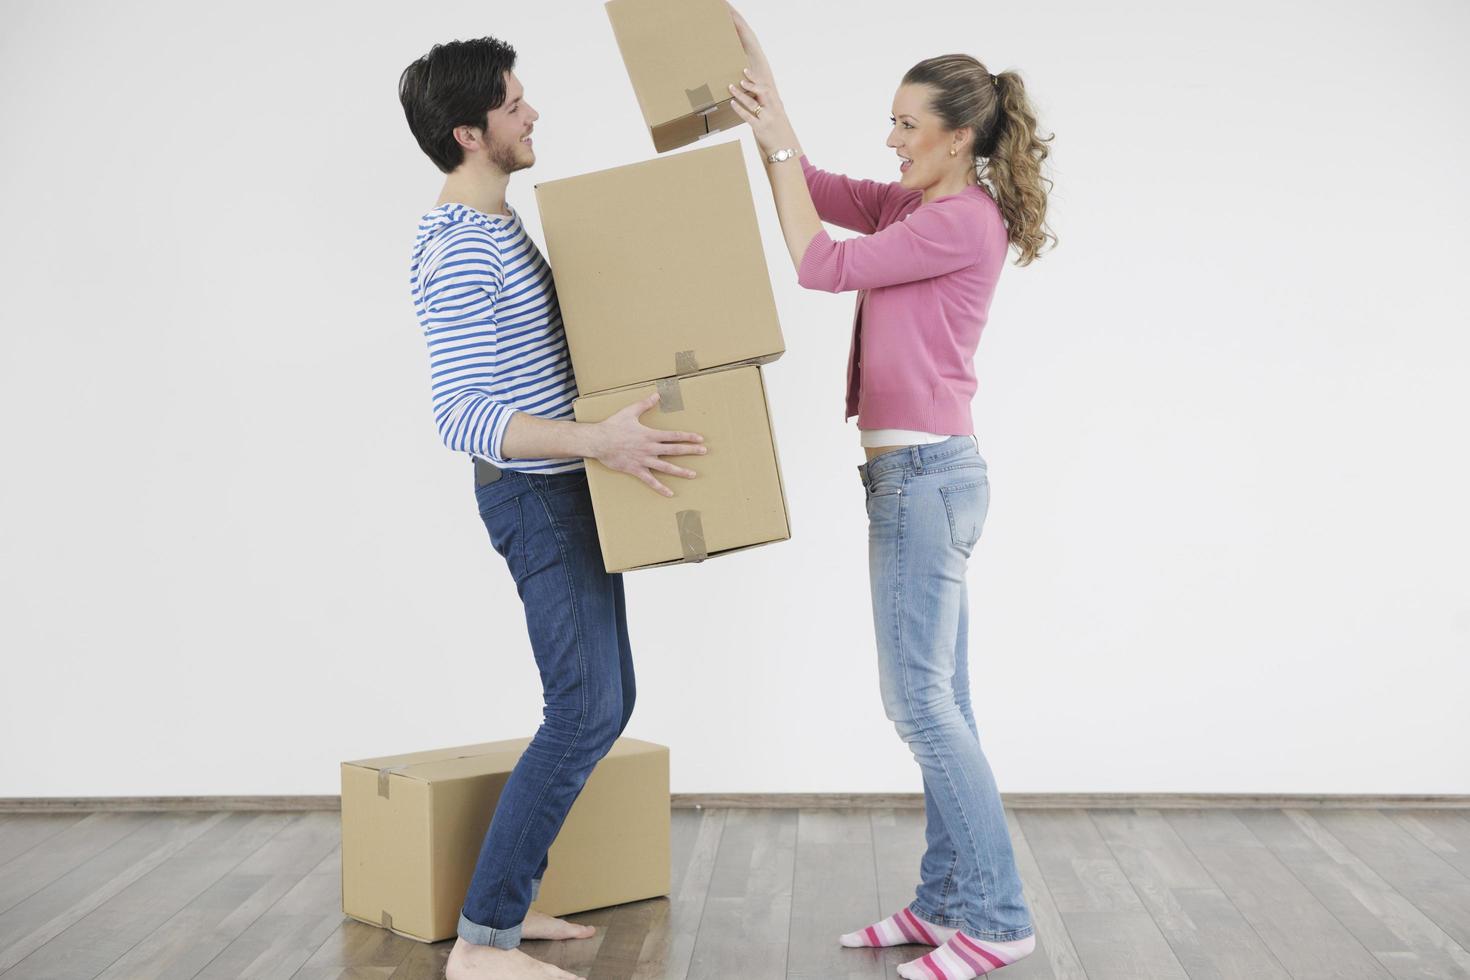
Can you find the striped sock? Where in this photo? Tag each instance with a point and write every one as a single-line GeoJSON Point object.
{"type": "Point", "coordinates": [899, 929]}
{"type": "Point", "coordinates": [963, 958]}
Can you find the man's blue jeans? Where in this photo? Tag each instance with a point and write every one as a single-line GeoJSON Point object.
{"type": "Point", "coordinates": [926, 506]}
{"type": "Point", "coordinates": [543, 527]}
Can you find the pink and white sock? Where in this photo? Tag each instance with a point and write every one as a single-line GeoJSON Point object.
{"type": "Point", "coordinates": [963, 958]}
{"type": "Point", "coordinates": [899, 929]}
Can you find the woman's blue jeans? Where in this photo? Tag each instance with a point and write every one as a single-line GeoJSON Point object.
{"type": "Point", "coordinates": [926, 506]}
{"type": "Point", "coordinates": [543, 527]}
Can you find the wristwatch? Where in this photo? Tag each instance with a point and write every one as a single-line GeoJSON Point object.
{"type": "Point", "coordinates": [780, 155]}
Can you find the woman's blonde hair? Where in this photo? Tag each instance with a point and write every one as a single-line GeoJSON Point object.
{"type": "Point", "coordinates": [1008, 152]}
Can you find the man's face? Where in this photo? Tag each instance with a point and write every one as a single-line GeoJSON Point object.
{"type": "Point", "coordinates": [508, 129]}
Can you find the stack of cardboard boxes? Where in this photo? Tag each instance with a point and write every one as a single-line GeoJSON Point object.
{"type": "Point", "coordinates": [663, 287]}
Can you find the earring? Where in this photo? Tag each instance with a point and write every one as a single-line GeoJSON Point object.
{"type": "Point", "coordinates": [951, 151]}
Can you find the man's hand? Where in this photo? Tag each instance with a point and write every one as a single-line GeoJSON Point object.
{"type": "Point", "coordinates": [625, 444]}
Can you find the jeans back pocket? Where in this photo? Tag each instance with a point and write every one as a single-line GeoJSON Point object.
{"type": "Point", "coordinates": [965, 504]}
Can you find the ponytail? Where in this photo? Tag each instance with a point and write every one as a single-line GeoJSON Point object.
{"type": "Point", "coordinates": [1012, 166]}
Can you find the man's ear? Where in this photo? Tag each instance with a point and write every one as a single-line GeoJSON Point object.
{"type": "Point", "coordinates": [468, 137]}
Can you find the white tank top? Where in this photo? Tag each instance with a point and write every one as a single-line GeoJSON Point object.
{"type": "Point", "coordinates": [872, 438]}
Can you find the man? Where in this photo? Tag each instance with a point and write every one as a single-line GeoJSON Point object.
{"type": "Point", "coordinates": [502, 390]}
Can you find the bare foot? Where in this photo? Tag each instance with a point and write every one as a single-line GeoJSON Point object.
{"type": "Point", "coordinates": [470, 962]}
{"type": "Point", "coordinates": [539, 925]}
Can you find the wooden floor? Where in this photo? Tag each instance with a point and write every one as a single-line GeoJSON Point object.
{"type": "Point", "coordinates": [1117, 894]}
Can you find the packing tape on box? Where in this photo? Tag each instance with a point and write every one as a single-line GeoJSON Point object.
{"type": "Point", "coordinates": [691, 535]}
{"type": "Point", "coordinates": [700, 98]}
{"type": "Point", "coordinates": [684, 362]}
{"type": "Point", "coordinates": [387, 771]}
{"type": "Point", "coordinates": [670, 396]}
{"type": "Point", "coordinates": [387, 920]}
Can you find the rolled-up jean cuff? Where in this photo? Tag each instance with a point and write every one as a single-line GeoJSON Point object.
{"type": "Point", "coordinates": [949, 922]}
{"type": "Point", "coordinates": [473, 932]}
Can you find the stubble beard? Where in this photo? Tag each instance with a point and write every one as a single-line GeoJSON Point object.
{"type": "Point", "coordinates": [506, 157]}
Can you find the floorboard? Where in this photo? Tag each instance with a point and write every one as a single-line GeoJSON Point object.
{"type": "Point", "coordinates": [761, 893]}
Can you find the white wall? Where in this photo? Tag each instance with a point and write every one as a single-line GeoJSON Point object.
{"type": "Point", "coordinates": [1225, 421]}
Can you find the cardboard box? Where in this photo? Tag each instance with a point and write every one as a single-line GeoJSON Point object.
{"type": "Point", "coordinates": [659, 269]}
{"type": "Point", "coordinates": [412, 827]}
{"type": "Point", "coordinates": [682, 56]}
{"type": "Point", "coordinates": [736, 502]}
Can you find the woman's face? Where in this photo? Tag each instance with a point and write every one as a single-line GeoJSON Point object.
{"type": "Point", "coordinates": [921, 141]}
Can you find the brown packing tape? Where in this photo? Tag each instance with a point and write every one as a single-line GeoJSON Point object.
{"type": "Point", "coordinates": [700, 99]}
{"type": "Point", "coordinates": [670, 395]}
{"type": "Point", "coordinates": [691, 535]}
{"type": "Point", "coordinates": [387, 771]}
{"type": "Point", "coordinates": [695, 126]}
{"type": "Point", "coordinates": [387, 920]}
{"type": "Point", "coordinates": [685, 362]}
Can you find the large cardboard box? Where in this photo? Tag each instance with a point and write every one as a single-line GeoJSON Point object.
{"type": "Point", "coordinates": [682, 56]}
{"type": "Point", "coordinates": [737, 500]}
{"type": "Point", "coordinates": [659, 269]}
{"type": "Point", "coordinates": [412, 826]}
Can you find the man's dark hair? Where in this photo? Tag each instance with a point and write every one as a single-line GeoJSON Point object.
{"type": "Point", "coordinates": [455, 84]}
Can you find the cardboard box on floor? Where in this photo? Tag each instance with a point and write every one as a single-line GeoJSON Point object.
{"type": "Point", "coordinates": [737, 500]}
{"type": "Point", "coordinates": [681, 56]}
{"type": "Point", "coordinates": [412, 827]}
{"type": "Point", "coordinates": [659, 269]}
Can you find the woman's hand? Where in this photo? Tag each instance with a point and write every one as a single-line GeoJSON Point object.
{"type": "Point", "coordinates": [756, 100]}
{"type": "Point", "coordinates": [753, 50]}
{"type": "Point", "coordinates": [760, 106]}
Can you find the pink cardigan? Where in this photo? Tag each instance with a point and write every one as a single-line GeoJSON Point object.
{"type": "Point", "coordinates": [926, 275]}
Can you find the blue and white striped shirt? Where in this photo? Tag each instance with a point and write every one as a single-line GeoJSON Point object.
{"type": "Point", "coordinates": [487, 304]}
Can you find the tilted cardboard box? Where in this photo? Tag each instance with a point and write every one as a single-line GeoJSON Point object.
{"type": "Point", "coordinates": [659, 269]}
{"type": "Point", "coordinates": [412, 827]}
{"type": "Point", "coordinates": [735, 502]}
{"type": "Point", "coordinates": [682, 56]}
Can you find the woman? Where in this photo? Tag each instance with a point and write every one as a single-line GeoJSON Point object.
{"type": "Point", "coordinates": [925, 268]}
